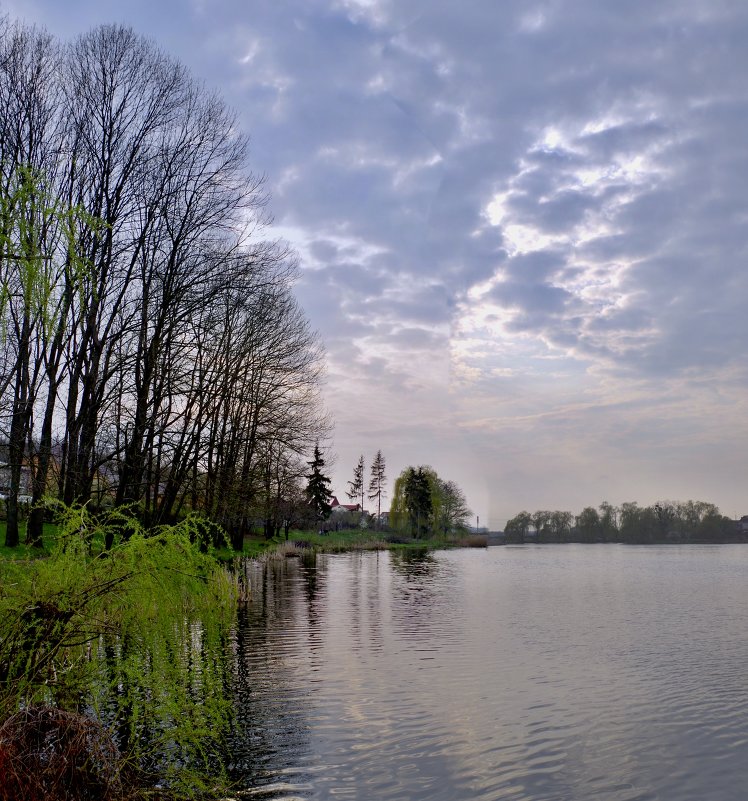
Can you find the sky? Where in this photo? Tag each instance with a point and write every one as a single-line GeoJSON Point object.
{"type": "Point", "coordinates": [522, 228]}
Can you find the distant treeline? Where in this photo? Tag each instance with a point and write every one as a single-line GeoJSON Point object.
{"type": "Point", "coordinates": [665, 521]}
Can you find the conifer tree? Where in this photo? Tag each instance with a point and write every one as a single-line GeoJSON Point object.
{"type": "Point", "coordinates": [377, 482]}
{"type": "Point", "coordinates": [356, 487]}
{"type": "Point", "coordinates": [418, 500]}
{"type": "Point", "coordinates": [318, 490]}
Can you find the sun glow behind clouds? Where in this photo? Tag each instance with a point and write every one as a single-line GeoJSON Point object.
{"type": "Point", "coordinates": [557, 294]}
{"type": "Point", "coordinates": [518, 237]}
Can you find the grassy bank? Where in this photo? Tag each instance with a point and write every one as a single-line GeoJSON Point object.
{"type": "Point", "coordinates": [24, 551]}
{"type": "Point", "coordinates": [257, 546]}
{"type": "Point", "coordinates": [366, 540]}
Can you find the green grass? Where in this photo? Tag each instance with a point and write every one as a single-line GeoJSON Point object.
{"type": "Point", "coordinates": [335, 539]}
{"type": "Point", "coordinates": [22, 551]}
{"type": "Point", "coordinates": [256, 545]}
{"type": "Point", "coordinates": [253, 547]}
{"type": "Point", "coordinates": [371, 539]}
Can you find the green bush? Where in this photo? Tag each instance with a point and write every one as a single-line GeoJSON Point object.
{"type": "Point", "coordinates": [132, 636]}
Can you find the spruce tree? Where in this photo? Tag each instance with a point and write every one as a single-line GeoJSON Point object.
{"type": "Point", "coordinates": [356, 486]}
{"type": "Point", "coordinates": [418, 500]}
{"type": "Point", "coordinates": [377, 481]}
{"type": "Point", "coordinates": [317, 489]}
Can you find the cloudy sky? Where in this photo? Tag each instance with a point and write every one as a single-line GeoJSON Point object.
{"type": "Point", "coordinates": [523, 228]}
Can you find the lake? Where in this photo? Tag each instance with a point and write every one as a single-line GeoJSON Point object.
{"type": "Point", "coordinates": [606, 672]}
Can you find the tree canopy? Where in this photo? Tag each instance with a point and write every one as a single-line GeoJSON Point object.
{"type": "Point", "coordinates": [423, 504]}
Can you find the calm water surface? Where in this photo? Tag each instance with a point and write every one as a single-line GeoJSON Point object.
{"type": "Point", "coordinates": [532, 672]}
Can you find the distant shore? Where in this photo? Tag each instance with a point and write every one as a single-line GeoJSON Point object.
{"type": "Point", "coordinates": [498, 538]}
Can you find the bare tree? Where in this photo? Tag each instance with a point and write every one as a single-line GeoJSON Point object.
{"type": "Point", "coordinates": [28, 59]}
{"type": "Point", "coordinates": [157, 338]}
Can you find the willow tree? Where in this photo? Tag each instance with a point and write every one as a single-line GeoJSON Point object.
{"type": "Point", "coordinates": [449, 507]}
{"type": "Point", "coordinates": [124, 640]}
{"type": "Point", "coordinates": [424, 503]}
{"type": "Point", "coordinates": [28, 60]}
{"type": "Point", "coordinates": [39, 271]}
{"type": "Point", "coordinates": [412, 507]}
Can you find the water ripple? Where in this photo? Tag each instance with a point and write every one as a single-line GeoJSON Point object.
{"type": "Point", "coordinates": [516, 674]}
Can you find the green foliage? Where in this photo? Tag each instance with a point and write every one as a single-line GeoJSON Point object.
{"type": "Point", "coordinates": [423, 504]}
{"type": "Point", "coordinates": [450, 509]}
{"type": "Point", "coordinates": [353, 539]}
{"type": "Point", "coordinates": [411, 510]}
{"type": "Point", "coordinates": [418, 500]}
{"type": "Point", "coordinates": [398, 509]}
{"type": "Point", "coordinates": [356, 539]}
{"type": "Point", "coordinates": [518, 527]}
{"type": "Point", "coordinates": [588, 523]}
{"type": "Point", "coordinates": [40, 272]}
{"type": "Point", "coordinates": [36, 231]}
{"type": "Point", "coordinates": [134, 636]}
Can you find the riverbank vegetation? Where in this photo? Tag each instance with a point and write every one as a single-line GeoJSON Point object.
{"type": "Point", "coordinates": [371, 540]}
{"type": "Point", "coordinates": [112, 670]}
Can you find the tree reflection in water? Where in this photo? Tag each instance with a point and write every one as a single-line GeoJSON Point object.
{"type": "Point", "coordinates": [270, 733]}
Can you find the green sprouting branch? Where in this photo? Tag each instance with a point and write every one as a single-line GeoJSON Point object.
{"type": "Point", "coordinates": [117, 634]}
{"type": "Point", "coordinates": [40, 258]}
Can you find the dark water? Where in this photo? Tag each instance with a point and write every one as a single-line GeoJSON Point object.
{"type": "Point", "coordinates": [526, 673]}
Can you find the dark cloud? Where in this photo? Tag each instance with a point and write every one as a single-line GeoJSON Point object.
{"type": "Point", "coordinates": [541, 299]}
{"type": "Point", "coordinates": [535, 267]}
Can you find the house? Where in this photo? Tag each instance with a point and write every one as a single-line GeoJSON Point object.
{"type": "Point", "coordinates": [344, 507]}
{"type": "Point", "coordinates": [350, 507]}
{"type": "Point", "coordinates": [24, 489]}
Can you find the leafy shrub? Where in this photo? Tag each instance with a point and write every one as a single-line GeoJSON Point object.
{"type": "Point", "coordinates": [134, 636]}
